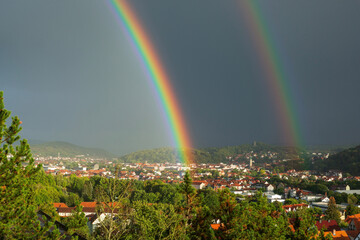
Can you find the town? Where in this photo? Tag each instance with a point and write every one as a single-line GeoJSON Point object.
{"type": "Point", "coordinates": [294, 189]}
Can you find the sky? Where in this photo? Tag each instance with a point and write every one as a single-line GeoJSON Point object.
{"type": "Point", "coordinates": [69, 72]}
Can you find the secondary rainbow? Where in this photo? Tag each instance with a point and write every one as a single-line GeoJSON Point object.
{"type": "Point", "coordinates": [157, 75]}
{"type": "Point", "coordinates": [274, 73]}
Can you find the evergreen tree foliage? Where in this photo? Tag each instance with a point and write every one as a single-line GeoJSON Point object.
{"type": "Point", "coordinates": [77, 222]}
{"type": "Point", "coordinates": [332, 212]}
{"type": "Point", "coordinates": [157, 221]}
{"type": "Point", "coordinates": [18, 208]}
{"type": "Point", "coordinates": [189, 192]}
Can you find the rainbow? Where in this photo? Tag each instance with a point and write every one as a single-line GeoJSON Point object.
{"type": "Point", "coordinates": [274, 73]}
{"type": "Point", "coordinates": [157, 75]}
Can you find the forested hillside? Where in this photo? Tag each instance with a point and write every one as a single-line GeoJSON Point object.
{"type": "Point", "coordinates": [162, 155]}
{"type": "Point", "coordinates": [346, 161]}
{"type": "Point", "coordinates": [261, 153]}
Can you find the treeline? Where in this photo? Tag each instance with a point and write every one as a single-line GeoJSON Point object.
{"type": "Point", "coordinates": [156, 210]}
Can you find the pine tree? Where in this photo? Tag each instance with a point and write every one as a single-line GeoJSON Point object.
{"type": "Point", "coordinates": [189, 191]}
{"type": "Point", "coordinates": [332, 212]}
{"type": "Point", "coordinates": [18, 211]}
{"type": "Point", "coordinates": [77, 222]}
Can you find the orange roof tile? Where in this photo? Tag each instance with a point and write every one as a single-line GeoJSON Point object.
{"type": "Point", "coordinates": [58, 205]}
{"type": "Point", "coordinates": [88, 204]}
{"type": "Point", "coordinates": [339, 235]}
{"type": "Point", "coordinates": [215, 226]}
{"type": "Point", "coordinates": [93, 204]}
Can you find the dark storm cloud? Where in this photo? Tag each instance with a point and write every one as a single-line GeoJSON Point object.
{"type": "Point", "coordinates": [68, 70]}
{"type": "Point", "coordinates": [216, 68]}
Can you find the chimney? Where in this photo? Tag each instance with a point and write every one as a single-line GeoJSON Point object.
{"type": "Point", "coordinates": [334, 232]}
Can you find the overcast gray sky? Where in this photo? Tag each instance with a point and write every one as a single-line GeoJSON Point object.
{"type": "Point", "coordinates": [68, 70]}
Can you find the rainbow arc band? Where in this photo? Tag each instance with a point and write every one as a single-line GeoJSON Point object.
{"type": "Point", "coordinates": [158, 77]}
{"type": "Point", "coordinates": [273, 71]}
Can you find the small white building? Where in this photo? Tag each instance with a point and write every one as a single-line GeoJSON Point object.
{"type": "Point", "coordinates": [274, 198]}
{"type": "Point", "coordinates": [198, 185]}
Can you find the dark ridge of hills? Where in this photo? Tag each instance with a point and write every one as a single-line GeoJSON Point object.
{"type": "Point", "coordinates": [68, 150]}
{"type": "Point", "coordinates": [157, 155]}
{"type": "Point", "coordinates": [213, 154]}
{"type": "Point", "coordinates": [169, 154]}
{"type": "Point", "coordinates": [204, 155]}
{"type": "Point", "coordinates": [347, 161]}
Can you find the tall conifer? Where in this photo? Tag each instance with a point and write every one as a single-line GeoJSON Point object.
{"type": "Point", "coordinates": [18, 211]}
{"type": "Point", "coordinates": [332, 212]}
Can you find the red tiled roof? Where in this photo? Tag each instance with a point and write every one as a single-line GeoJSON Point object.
{"type": "Point", "coordinates": [65, 209]}
{"type": "Point", "coordinates": [294, 206]}
{"type": "Point", "coordinates": [88, 204]}
{"type": "Point", "coordinates": [349, 218]}
{"type": "Point", "coordinates": [352, 233]}
{"type": "Point", "coordinates": [58, 205]}
{"type": "Point", "coordinates": [94, 204]}
{"type": "Point", "coordinates": [328, 225]}
{"type": "Point", "coordinates": [356, 219]}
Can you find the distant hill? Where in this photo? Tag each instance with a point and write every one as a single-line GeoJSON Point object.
{"type": "Point", "coordinates": [67, 150]}
{"type": "Point", "coordinates": [347, 161]}
{"type": "Point", "coordinates": [213, 154]}
{"type": "Point", "coordinates": [158, 155]}
{"type": "Point", "coordinates": [237, 152]}
{"type": "Point", "coordinates": [169, 154]}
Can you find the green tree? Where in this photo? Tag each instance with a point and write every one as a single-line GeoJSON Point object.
{"type": "Point", "coordinates": [18, 208]}
{"type": "Point", "coordinates": [157, 221]}
{"type": "Point", "coordinates": [228, 215]}
{"type": "Point", "coordinates": [203, 218]}
{"type": "Point", "coordinates": [351, 210]}
{"type": "Point", "coordinates": [332, 212]}
{"type": "Point", "coordinates": [72, 199]}
{"type": "Point", "coordinates": [304, 224]}
{"type": "Point", "coordinates": [114, 205]}
{"type": "Point", "coordinates": [210, 199]}
{"type": "Point", "coordinates": [291, 201]}
{"type": "Point", "coordinates": [87, 192]}
{"type": "Point", "coordinates": [77, 222]}
{"type": "Point", "coordinates": [352, 199]}
{"type": "Point", "coordinates": [189, 192]}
